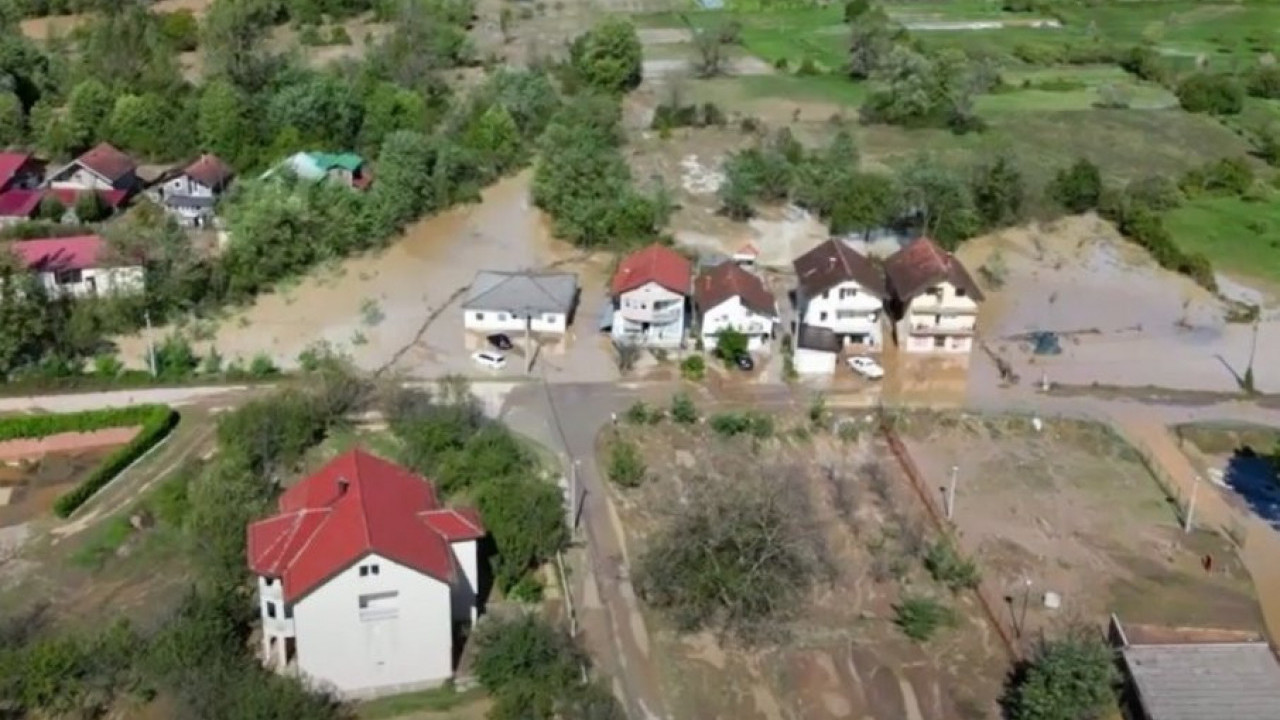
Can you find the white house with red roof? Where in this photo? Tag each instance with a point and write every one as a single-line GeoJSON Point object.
{"type": "Point", "coordinates": [78, 266]}
{"type": "Point", "coordinates": [363, 577]}
{"type": "Point", "coordinates": [650, 298]}
{"type": "Point", "coordinates": [189, 192]}
{"type": "Point", "coordinates": [101, 168]}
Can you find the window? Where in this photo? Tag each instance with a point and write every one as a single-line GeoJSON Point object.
{"type": "Point", "coordinates": [270, 581]}
{"type": "Point", "coordinates": [846, 293]}
{"type": "Point", "coordinates": [822, 316]}
{"type": "Point", "coordinates": [940, 342]}
{"type": "Point", "coordinates": [846, 314]}
{"type": "Point", "coordinates": [502, 317]}
{"type": "Point", "coordinates": [959, 292]}
{"type": "Point", "coordinates": [937, 319]}
{"type": "Point", "coordinates": [367, 570]}
{"type": "Point", "coordinates": [68, 277]}
{"type": "Point", "coordinates": [549, 318]}
{"type": "Point", "coordinates": [288, 612]}
{"type": "Point", "coordinates": [380, 606]}
{"type": "Point", "coordinates": [271, 609]}
{"type": "Point", "coordinates": [479, 316]}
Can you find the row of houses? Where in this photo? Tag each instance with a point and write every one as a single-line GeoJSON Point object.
{"type": "Point", "coordinates": [922, 295]}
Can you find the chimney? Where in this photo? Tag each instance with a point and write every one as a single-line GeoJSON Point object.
{"type": "Point", "coordinates": [342, 486]}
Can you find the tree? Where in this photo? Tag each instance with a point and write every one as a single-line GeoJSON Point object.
{"type": "Point", "coordinates": [323, 108]}
{"type": "Point", "coordinates": [731, 344]}
{"type": "Point", "coordinates": [708, 43]}
{"type": "Point", "coordinates": [232, 34]}
{"type": "Point", "coordinates": [1070, 678]}
{"type": "Point", "coordinates": [855, 9]}
{"type": "Point", "coordinates": [1077, 188]}
{"type": "Point", "coordinates": [51, 208]}
{"type": "Point", "coordinates": [405, 188]}
{"type": "Point", "coordinates": [90, 207]}
{"type": "Point", "coordinates": [608, 57]}
{"type": "Point", "coordinates": [181, 29]}
{"type": "Point", "coordinates": [88, 106]}
{"type": "Point", "coordinates": [998, 191]}
{"type": "Point", "coordinates": [223, 123]}
{"type": "Point", "coordinates": [940, 200]}
{"type": "Point", "coordinates": [12, 120]}
{"type": "Point", "coordinates": [1216, 94]}
{"type": "Point", "coordinates": [495, 139]}
{"type": "Point", "coordinates": [388, 108]}
{"type": "Point", "coordinates": [865, 202]}
{"type": "Point", "coordinates": [143, 124]}
{"type": "Point", "coordinates": [872, 38]}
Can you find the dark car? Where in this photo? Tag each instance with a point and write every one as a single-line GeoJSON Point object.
{"type": "Point", "coordinates": [500, 341]}
{"type": "Point", "coordinates": [744, 362]}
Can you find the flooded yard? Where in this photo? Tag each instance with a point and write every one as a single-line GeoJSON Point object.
{"type": "Point", "coordinates": [28, 488]}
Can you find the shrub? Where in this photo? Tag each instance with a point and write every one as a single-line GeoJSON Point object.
{"type": "Point", "coordinates": [1068, 678]}
{"type": "Point", "coordinates": [1146, 63]}
{"type": "Point", "coordinates": [1216, 94]}
{"type": "Point", "coordinates": [262, 366]}
{"type": "Point", "coordinates": [920, 617]}
{"type": "Point", "coordinates": [338, 35]}
{"type": "Point", "coordinates": [107, 365]}
{"type": "Point", "coordinates": [1264, 82]}
{"type": "Point", "coordinates": [641, 414]}
{"type": "Point", "coordinates": [1154, 191]}
{"type": "Point", "coordinates": [175, 359]}
{"type": "Point", "coordinates": [730, 345]}
{"type": "Point", "coordinates": [948, 567]}
{"type": "Point", "coordinates": [683, 410]}
{"type": "Point", "coordinates": [310, 36]}
{"type": "Point", "coordinates": [693, 368]}
{"type": "Point", "coordinates": [729, 424]}
{"type": "Point", "coordinates": [1038, 53]}
{"type": "Point", "coordinates": [626, 466]}
{"type": "Point", "coordinates": [1078, 187]}
{"type": "Point", "coordinates": [158, 421]}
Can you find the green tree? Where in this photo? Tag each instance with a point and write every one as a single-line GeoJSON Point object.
{"type": "Point", "coordinates": [223, 122]}
{"type": "Point", "coordinates": [88, 106]}
{"type": "Point", "coordinates": [1216, 94]}
{"type": "Point", "coordinates": [865, 201]}
{"type": "Point", "coordinates": [626, 466]}
{"type": "Point", "coordinates": [142, 124]}
{"type": "Point", "coordinates": [388, 108]}
{"type": "Point", "coordinates": [731, 344]}
{"type": "Point", "coordinates": [495, 139]}
{"type": "Point", "coordinates": [872, 38]}
{"type": "Point", "coordinates": [941, 200]}
{"type": "Point", "coordinates": [1070, 678]}
{"type": "Point", "coordinates": [12, 120]}
{"type": "Point", "coordinates": [405, 184]}
{"type": "Point", "coordinates": [608, 57]}
{"type": "Point", "coordinates": [323, 108]}
{"type": "Point", "coordinates": [51, 208]}
{"type": "Point", "coordinates": [181, 29]}
{"type": "Point", "coordinates": [231, 38]}
{"type": "Point", "coordinates": [1077, 188]}
{"type": "Point", "coordinates": [998, 193]}
{"type": "Point", "coordinates": [525, 517]}
{"type": "Point", "coordinates": [90, 207]}
{"type": "Point", "coordinates": [52, 130]}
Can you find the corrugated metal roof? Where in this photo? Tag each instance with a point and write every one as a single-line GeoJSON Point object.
{"type": "Point", "coordinates": [1229, 681]}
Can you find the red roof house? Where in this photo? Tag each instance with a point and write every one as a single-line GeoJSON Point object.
{"type": "Point", "coordinates": [17, 205]}
{"type": "Point", "coordinates": [110, 168]}
{"type": "Point", "coordinates": [654, 264]}
{"type": "Point", "coordinates": [18, 170]}
{"type": "Point", "coordinates": [911, 270]}
{"type": "Point", "coordinates": [81, 252]}
{"type": "Point", "coordinates": [357, 505]}
{"type": "Point", "coordinates": [209, 170]}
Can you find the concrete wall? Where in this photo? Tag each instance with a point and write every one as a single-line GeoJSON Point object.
{"type": "Point", "coordinates": [399, 642]}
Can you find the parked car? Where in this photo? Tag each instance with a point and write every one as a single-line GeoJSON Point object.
{"type": "Point", "coordinates": [500, 341]}
{"type": "Point", "coordinates": [744, 362]}
{"type": "Point", "coordinates": [865, 366]}
{"type": "Point", "coordinates": [491, 360]}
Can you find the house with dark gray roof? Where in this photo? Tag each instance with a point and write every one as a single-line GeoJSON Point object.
{"type": "Point", "coordinates": [500, 302]}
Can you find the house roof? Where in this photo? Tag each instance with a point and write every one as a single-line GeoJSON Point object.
{"type": "Point", "coordinates": [107, 162]}
{"type": "Point", "coordinates": [834, 262]}
{"type": "Point", "coordinates": [53, 254]}
{"type": "Point", "coordinates": [922, 264]}
{"type": "Point", "coordinates": [20, 203]}
{"type": "Point", "coordinates": [345, 161]}
{"type": "Point", "coordinates": [655, 263]}
{"type": "Point", "coordinates": [10, 164]}
{"type": "Point", "coordinates": [812, 337]}
{"type": "Point", "coordinates": [519, 292]}
{"type": "Point", "coordinates": [358, 504]}
{"type": "Point", "coordinates": [728, 280]}
{"type": "Point", "coordinates": [209, 170]}
{"type": "Point", "coordinates": [1198, 681]}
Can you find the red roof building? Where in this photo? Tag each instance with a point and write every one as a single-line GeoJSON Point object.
{"type": "Point", "coordinates": [210, 171]}
{"type": "Point", "coordinates": [654, 264]}
{"type": "Point", "coordinates": [20, 204]}
{"type": "Point", "coordinates": [357, 505]}
{"type": "Point", "coordinates": [107, 162]}
{"type": "Point", "coordinates": [81, 252]}
{"type": "Point", "coordinates": [18, 170]}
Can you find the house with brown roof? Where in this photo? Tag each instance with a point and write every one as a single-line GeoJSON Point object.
{"type": "Point", "coordinates": [650, 291]}
{"type": "Point", "coordinates": [842, 291]}
{"type": "Point", "coordinates": [189, 192]}
{"type": "Point", "coordinates": [935, 299]}
{"type": "Point", "coordinates": [101, 168]}
{"type": "Point", "coordinates": [727, 297]}
{"type": "Point", "coordinates": [365, 578]}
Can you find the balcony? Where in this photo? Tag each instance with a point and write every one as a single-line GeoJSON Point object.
{"type": "Point", "coordinates": [941, 330]}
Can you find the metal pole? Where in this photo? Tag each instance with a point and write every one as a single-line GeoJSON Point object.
{"type": "Point", "coordinates": [951, 491]}
{"type": "Point", "coordinates": [151, 344]}
{"type": "Point", "coordinates": [1191, 506]}
{"type": "Point", "coordinates": [528, 348]}
{"type": "Point", "coordinates": [573, 488]}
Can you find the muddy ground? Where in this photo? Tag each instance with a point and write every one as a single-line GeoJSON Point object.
{"type": "Point", "coordinates": [1072, 510]}
{"type": "Point", "coordinates": [1238, 459]}
{"type": "Point", "coordinates": [843, 657]}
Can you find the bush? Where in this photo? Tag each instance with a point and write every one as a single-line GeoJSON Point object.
{"type": "Point", "coordinates": [1068, 678]}
{"type": "Point", "coordinates": [107, 365]}
{"type": "Point", "coordinates": [729, 424]}
{"type": "Point", "coordinates": [338, 35]}
{"type": "Point", "coordinates": [1038, 53]}
{"type": "Point", "coordinates": [1228, 176]}
{"type": "Point", "coordinates": [947, 566]}
{"type": "Point", "coordinates": [693, 368]}
{"type": "Point", "coordinates": [626, 466]}
{"type": "Point", "coordinates": [263, 366]}
{"type": "Point", "coordinates": [731, 345]}
{"type": "Point", "coordinates": [1077, 188]}
{"type": "Point", "coordinates": [1216, 94]}
{"type": "Point", "coordinates": [181, 29]}
{"type": "Point", "coordinates": [175, 358]}
{"type": "Point", "coordinates": [1154, 191]}
{"type": "Point", "coordinates": [683, 411]}
{"type": "Point", "coordinates": [1146, 63]}
{"type": "Point", "coordinates": [608, 57]}
{"type": "Point", "coordinates": [156, 423]}
{"type": "Point", "coordinates": [641, 414]}
{"type": "Point", "coordinates": [920, 617]}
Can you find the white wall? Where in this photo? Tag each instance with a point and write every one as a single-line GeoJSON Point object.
{"type": "Point", "coordinates": [78, 178]}
{"type": "Point", "coordinates": [409, 649]}
{"type": "Point", "coordinates": [846, 309]}
{"type": "Point", "coordinates": [467, 587]}
{"type": "Point", "coordinates": [814, 362]}
{"type": "Point", "coordinates": [732, 314]}
{"type": "Point", "coordinates": [940, 308]}
{"type": "Point", "coordinates": [641, 305]}
{"type": "Point", "coordinates": [103, 281]}
{"type": "Point", "coordinates": [498, 321]}
{"type": "Point", "coordinates": [184, 185]}
{"type": "Point", "coordinates": [944, 295]}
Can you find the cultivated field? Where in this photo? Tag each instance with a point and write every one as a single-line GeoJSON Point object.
{"type": "Point", "coordinates": [1073, 510]}
{"type": "Point", "coordinates": [843, 657]}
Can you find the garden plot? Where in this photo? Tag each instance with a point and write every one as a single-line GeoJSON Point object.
{"type": "Point", "coordinates": [1072, 510]}
{"type": "Point", "coordinates": [841, 655]}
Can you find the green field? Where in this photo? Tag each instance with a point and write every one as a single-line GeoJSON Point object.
{"type": "Point", "coordinates": [1242, 237]}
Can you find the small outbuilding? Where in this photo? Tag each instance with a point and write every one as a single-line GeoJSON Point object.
{"type": "Point", "coordinates": [816, 350]}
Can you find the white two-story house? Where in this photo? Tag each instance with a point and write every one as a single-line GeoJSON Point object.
{"type": "Point", "coordinates": [727, 297]}
{"type": "Point", "coordinates": [190, 192]}
{"type": "Point", "coordinates": [650, 290]}
{"type": "Point", "coordinates": [841, 291]}
{"type": "Point", "coordinates": [79, 266]}
{"type": "Point", "coordinates": [935, 300]}
{"type": "Point", "coordinates": [363, 578]}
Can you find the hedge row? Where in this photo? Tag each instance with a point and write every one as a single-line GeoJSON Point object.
{"type": "Point", "coordinates": [156, 421]}
{"type": "Point", "coordinates": [46, 424]}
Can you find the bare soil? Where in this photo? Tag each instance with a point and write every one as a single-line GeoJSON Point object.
{"type": "Point", "coordinates": [33, 485]}
{"type": "Point", "coordinates": [1072, 510]}
{"type": "Point", "coordinates": [843, 657]}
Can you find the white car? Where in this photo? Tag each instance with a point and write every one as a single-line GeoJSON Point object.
{"type": "Point", "coordinates": [491, 360]}
{"type": "Point", "coordinates": [866, 367]}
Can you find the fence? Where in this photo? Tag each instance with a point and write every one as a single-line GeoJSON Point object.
{"type": "Point", "coordinates": [983, 592]}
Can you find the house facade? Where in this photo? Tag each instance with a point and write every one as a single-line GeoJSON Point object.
{"type": "Point", "coordinates": [516, 301]}
{"type": "Point", "coordinates": [101, 168]}
{"type": "Point", "coordinates": [650, 291]}
{"type": "Point", "coordinates": [78, 266]}
{"type": "Point", "coordinates": [842, 291]}
{"type": "Point", "coordinates": [727, 297]}
{"type": "Point", "coordinates": [935, 300]}
{"type": "Point", "coordinates": [364, 578]}
{"type": "Point", "coordinates": [189, 193]}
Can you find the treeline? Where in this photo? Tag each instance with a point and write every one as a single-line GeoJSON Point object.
{"type": "Point", "coordinates": [298, 11]}
{"type": "Point", "coordinates": [199, 659]}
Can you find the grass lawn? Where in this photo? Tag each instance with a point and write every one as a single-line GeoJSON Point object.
{"type": "Point", "coordinates": [439, 699]}
{"type": "Point", "coordinates": [1240, 237]}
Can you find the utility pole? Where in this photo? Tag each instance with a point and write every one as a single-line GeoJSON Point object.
{"type": "Point", "coordinates": [1191, 507]}
{"type": "Point", "coordinates": [575, 498]}
{"type": "Point", "coordinates": [528, 346]}
{"type": "Point", "coordinates": [951, 491]}
{"type": "Point", "coordinates": [151, 344]}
